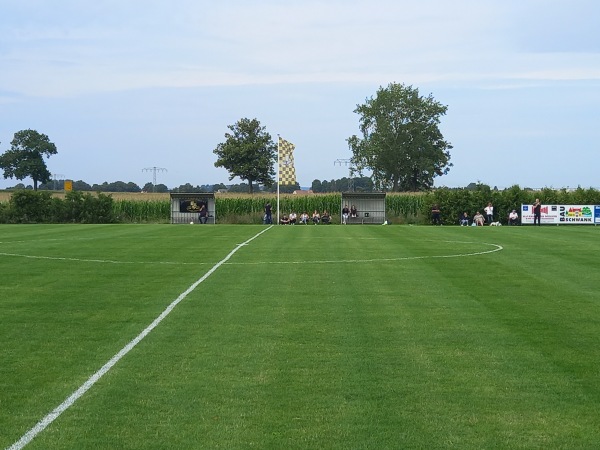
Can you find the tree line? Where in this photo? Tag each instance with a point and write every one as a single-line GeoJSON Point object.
{"type": "Point", "coordinates": [345, 184]}
{"type": "Point", "coordinates": [399, 143]}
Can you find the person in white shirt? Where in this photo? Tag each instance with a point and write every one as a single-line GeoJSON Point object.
{"type": "Point", "coordinates": [489, 212]}
{"type": "Point", "coordinates": [316, 217]}
{"type": "Point", "coordinates": [513, 217]}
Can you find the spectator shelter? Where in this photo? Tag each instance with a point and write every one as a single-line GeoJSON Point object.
{"type": "Point", "coordinates": [370, 207]}
{"type": "Point", "coordinates": [185, 207]}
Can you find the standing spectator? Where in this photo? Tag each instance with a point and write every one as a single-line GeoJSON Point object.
{"type": "Point", "coordinates": [489, 212]}
{"type": "Point", "coordinates": [537, 212]}
{"type": "Point", "coordinates": [268, 214]}
{"type": "Point", "coordinates": [435, 215]}
{"type": "Point", "coordinates": [513, 217]}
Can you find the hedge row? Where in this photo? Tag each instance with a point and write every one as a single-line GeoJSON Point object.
{"type": "Point", "coordinates": [28, 206]}
{"type": "Point", "coordinates": [453, 202]}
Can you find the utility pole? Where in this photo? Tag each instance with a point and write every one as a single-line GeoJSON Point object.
{"type": "Point", "coordinates": [55, 178]}
{"type": "Point", "coordinates": [346, 162]}
{"type": "Point", "coordinates": [154, 170]}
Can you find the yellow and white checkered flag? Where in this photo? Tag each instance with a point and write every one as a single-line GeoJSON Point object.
{"type": "Point", "coordinates": [287, 172]}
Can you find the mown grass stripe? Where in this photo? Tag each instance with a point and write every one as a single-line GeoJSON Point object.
{"type": "Point", "coordinates": [69, 401]}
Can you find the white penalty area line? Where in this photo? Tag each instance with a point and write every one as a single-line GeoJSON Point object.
{"type": "Point", "coordinates": [42, 424]}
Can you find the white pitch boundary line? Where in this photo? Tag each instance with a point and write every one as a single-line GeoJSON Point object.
{"type": "Point", "coordinates": [105, 261]}
{"type": "Point", "coordinates": [51, 417]}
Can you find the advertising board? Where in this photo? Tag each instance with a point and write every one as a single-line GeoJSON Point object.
{"type": "Point", "coordinates": [563, 214]}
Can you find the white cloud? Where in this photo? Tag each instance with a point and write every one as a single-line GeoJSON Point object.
{"type": "Point", "coordinates": [114, 45]}
{"type": "Point", "coordinates": [188, 68]}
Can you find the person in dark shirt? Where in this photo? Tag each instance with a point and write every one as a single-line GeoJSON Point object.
{"type": "Point", "coordinates": [203, 215]}
{"type": "Point", "coordinates": [345, 214]}
{"type": "Point", "coordinates": [436, 215]}
{"type": "Point", "coordinates": [537, 212]}
{"type": "Point", "coordinates": [268, 214]}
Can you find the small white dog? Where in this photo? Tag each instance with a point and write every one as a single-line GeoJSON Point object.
{"type": "Point", "coordinates": [495, 224]}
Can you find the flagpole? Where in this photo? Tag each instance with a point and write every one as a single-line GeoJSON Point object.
{"type": "Point", "coordinates": [278, 156]}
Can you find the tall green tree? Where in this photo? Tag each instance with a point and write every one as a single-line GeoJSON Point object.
{"type": "Point", "coordinates": [26, 157]}
{"type": "Point", "coordinates": [248, 153]}
{"type": "Point", "coordinates": [401, 141]}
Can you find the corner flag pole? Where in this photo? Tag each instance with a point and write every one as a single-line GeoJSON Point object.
{"type": "Point", "coordinates": [277, 180]}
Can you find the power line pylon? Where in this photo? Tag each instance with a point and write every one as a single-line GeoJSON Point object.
{"type": "Point", "coordinates": [347, 162]}
{"type": "Point", "coordinates": [154, 170]}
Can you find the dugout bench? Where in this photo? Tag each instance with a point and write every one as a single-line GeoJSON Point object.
{"type": "Point", "coordinates": [370, 207]}
{"type": "Point", "coordinates": [185, 207]}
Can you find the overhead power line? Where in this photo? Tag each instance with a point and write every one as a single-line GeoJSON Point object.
{"type": "Point", "coordinates": [347, 162]}
{"type": "Point", "coordinates": [154, 170]}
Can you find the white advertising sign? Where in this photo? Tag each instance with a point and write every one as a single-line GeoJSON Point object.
{"type": "Point", "coordinates": [563, 214]}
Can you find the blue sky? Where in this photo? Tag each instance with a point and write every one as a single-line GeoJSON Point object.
{"type": "Point", "coordinates": [124, 85]}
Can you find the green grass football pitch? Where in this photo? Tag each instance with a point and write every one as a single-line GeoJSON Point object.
{"type": "Point", "coordinates": [321, 337]}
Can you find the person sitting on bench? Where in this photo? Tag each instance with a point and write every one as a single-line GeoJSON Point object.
{"type": "Point", "coordinates": [345, 214]}
{"type": "Point", "coordinates": [478, 219]}
{"type": "Point", "coordinates": [203, 216]}
{"type": "Point", "coordinates": [316, 217]}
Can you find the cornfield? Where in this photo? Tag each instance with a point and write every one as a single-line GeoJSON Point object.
{"type": "Point", "coordinates": [231, 209]}
{"type": "Point", "coordinates": [141, 211]}
{"type": "Point", "coordinates": [404, 205]}
{"type": "Point", "coordinates": [245, 208]}
{"type": "Point", "coordinates": [250, 208]}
